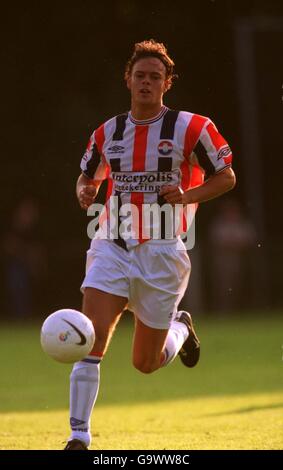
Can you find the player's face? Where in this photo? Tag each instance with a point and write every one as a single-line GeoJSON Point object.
{"type": "Point", "coordinates": [147, 82]}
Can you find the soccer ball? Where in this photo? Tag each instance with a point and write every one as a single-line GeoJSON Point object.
{"type": "Point", "coordinates": [67, 335]}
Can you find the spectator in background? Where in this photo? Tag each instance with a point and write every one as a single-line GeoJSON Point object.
{"type": "Point", "coordinates": [23, 257]}
{"type": "Point", "coordinates": [232, 237]}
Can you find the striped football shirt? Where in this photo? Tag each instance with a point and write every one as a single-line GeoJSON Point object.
{"type": "Point", "coordinates": [138, 157]}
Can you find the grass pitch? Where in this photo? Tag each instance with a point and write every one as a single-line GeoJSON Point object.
{"type": "Point", "coordinates": [232, 400]}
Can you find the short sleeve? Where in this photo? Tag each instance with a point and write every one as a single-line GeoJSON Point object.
{"type": "Point", "coordinates": [212, 151]}
{"type": "Point", "coordinates": [93, 164]}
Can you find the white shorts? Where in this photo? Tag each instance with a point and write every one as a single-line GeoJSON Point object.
{"type": "Point", "coordinates": [153, 276]}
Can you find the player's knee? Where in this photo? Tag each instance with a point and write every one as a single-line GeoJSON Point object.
{"type": "Point", "coordinates": [145, 366]}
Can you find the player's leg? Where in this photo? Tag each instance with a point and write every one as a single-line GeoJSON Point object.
{"type": "Point", "coordinates": [147, 347]}
{"type": "Point", "coordinates": [154, 348]}
{"type": "Point", "coordinates": [161, 277]}
{"type": "Point", "coordinates": [104, 310]}
{"type": "Point", "coordinates": [105, 290]}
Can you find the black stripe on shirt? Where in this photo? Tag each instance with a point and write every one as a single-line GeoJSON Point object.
{"type": "Point", "coordinates": [115, 164]}
{"type": "Point", "coordinates": [168, 125]}
{"type": "Point", "coordinates": [160, 202]}
{"type": "Point", "coordinates": [119, 241]}
{"type": "Point", "coordinates": [204, 159]}
{"type": "Point", "coordinates": [120, 126]}
{"type": "Point", "coordinates": [93, 162]}
{"type": "Point", "coordinates": [164, 164]}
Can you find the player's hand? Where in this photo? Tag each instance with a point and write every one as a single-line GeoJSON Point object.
{"type": "Point", "coordinates": [173, 194]}
{"type": "Point", "coordinates": [87, 195]}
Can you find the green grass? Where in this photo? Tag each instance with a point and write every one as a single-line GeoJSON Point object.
{"type": "Point", "coordinates": [232, 400]}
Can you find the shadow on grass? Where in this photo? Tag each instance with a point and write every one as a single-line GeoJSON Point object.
{"type": "Point", "coordinates": [249, 409]}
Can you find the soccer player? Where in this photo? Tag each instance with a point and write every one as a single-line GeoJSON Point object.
{"type": "Point", "coordinates": [150, 155]}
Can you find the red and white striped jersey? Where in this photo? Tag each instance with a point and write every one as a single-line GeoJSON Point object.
{"type": "Point", "coordinates": [139, 157]}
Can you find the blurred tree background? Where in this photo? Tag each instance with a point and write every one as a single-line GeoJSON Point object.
{"type": "Point", "coordinates": [62, 76]}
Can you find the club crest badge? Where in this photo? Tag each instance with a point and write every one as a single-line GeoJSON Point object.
{"type": "Point", "coordinates": [165, 147]}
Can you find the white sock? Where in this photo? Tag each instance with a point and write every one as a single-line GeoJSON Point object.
{"type": "Point", "coordinates": [176, 337]}
{"type": "Point", "coordinates": [84, 385]}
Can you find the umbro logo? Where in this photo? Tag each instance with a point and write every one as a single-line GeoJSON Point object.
{"type": "Point", "coordinates": [224, 152]}
{"type": "Point", "coordinates": [116, 149]}
{"type": "Point", "coordinates": [76, 422]}
{"type": "Point", "coordinates": [86, 156]}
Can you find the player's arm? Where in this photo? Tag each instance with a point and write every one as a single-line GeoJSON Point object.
{"type": "Point", "coordinates": [213, 187]}
{"type": "Point", "coordinates": [94, 171]}
{"type": "Point", "coordinates": [86, 190]}
{"type": "Point", "coordinates": [213, 155]}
